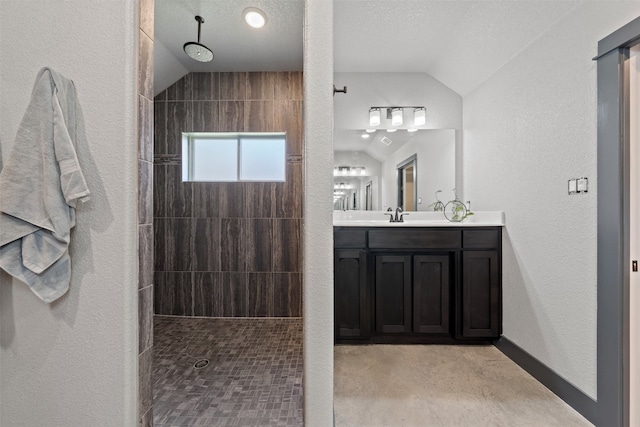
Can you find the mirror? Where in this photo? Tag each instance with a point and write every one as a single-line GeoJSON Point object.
{"type": "Point", "coordinates": [367, 159]}
{"type": "Point", "coordinates": [392, 169]}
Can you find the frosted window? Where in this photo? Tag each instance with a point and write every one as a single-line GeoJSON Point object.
{"type": "Point", "coordinates": [262, 159]}
{"type": "Point", "coordinates": [225, 157]}
{"type": "Point", "coordinates": [214, 159]}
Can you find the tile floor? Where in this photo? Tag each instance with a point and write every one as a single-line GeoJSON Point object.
{"type": "Point", "coordinates": [254, 375]}
{"type": "Point", "coordinates": [443, 386]}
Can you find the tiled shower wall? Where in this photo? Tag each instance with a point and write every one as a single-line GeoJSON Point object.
{"type": "Point", "coordinates": [228, 249]}
{"type": "Point", "coordinates": [145, 211]}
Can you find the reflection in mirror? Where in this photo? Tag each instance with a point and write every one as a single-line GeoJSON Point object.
{"type": "Point", "coordinates": [407, 188]}
{"type": "Point", "coordinates": [367, 170]}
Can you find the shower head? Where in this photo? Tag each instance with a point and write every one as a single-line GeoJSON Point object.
{"type": "Point", "coordinates": [196, 50]}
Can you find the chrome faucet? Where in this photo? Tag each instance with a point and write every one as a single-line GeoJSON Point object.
{"type": "Point", "coordinates": [399, 216]}
{"type": "Point", "coordinates": [390, 213]}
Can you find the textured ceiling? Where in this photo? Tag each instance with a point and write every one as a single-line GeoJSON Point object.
{"type": "Point", "coordinates": [236, 46]}
{"type": "Point", "coordinates": [460, 43]}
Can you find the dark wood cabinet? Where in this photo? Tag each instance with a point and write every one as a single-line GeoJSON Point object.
{"type": "Point", "coordinates": [418, 285]}
{"type": "Point", "coordinates": [352, 311]}
{"type": "Point", "coordinates": [480, 294]}
{"type": "Point", "coordinates": [431, 289]}
{"type": "Point", "coordinates": [393, 293]}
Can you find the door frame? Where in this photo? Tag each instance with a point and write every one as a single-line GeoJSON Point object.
{"type": "Point", "coordinates": [410, 161]}
{"type": "Point", "coordinates": [613, 225]}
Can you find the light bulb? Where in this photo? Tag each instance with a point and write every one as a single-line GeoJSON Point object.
{"type": "Point", "coordinates": [419, 116]}
{"type": "Point", "coordinates": [374, 117]}
{"type": "Point", "coordinates": [396, 116]}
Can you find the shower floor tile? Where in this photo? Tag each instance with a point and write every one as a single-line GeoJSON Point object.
{"type": "Point", "coordinates": [253, 378]}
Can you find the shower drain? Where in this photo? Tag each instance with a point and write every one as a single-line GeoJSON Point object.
{"type": "Point", "coordinates": [201, 364]}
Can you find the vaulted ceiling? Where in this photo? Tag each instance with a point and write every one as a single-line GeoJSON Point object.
{"type": "Point", "coordinates": [460, 43]}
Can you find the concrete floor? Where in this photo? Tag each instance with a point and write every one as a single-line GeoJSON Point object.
{"type": "Point", "coordinates": [443, 386]}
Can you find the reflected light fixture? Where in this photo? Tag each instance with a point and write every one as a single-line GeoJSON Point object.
{"type": "Point", "coordinates": [197, 50]}
{"type": "Point", "coordinates": [419, 116]}
{"type": "Point", "coordinates": [370, 130]}
{"type": "Point", "coordinates": [391, 130]}
{"type": "Point", "coordinates": [374, 117]}
{"type": "Point", "coordinates": [396, 116]}
{"type": "Point", "coordinates": [348, 170]}
{"type": "Point", "coordinates": [254, 17]}
{"type": "Point", "coordinates": [365, 135]}
{"type": "Point", "coordinates": [412, 130]}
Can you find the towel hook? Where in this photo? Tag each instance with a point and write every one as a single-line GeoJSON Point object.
{"type": "Point", "coordinates": [343, 90]}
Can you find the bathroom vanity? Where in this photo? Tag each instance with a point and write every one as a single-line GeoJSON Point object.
{"type": "Point", "coordinates": [422, 281]}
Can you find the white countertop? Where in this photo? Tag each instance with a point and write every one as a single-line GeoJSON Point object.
{"type": "Point", "coordinates": [415, 219]}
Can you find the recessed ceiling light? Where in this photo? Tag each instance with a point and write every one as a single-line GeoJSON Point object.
{"type": "Point", "coordinates": [391, 130]}
{"type": "Point", "coordinates": [255, 17]}
{"type": "Point", "coordinates": [365, 135]}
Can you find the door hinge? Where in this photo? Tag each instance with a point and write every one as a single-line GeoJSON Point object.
{"type": "Point", "coordinates": [634, 265]}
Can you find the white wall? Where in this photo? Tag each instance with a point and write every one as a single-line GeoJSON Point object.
{"type": "Point", "coordinates": [73, 362]}
{"type": "Point", "coordinates": [167, 68]}
{"type": "Point", "coordinates": [436, 153]}
{"type": "Point", "coordinates": [318, 214]}
{"type": "Point", "coordinates": [364, 90]}
{"type": "Point", "coordinates": [527, 130]}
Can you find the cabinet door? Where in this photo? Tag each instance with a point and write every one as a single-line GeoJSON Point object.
{"type": "Point", "coordinates": [352, 312]}
{"type": "Point", "coordinates": [431, 288]}
{"type": "Point", "coordinates": [481, 305]}
{"type": "Point", "coordinates": [393, 293]}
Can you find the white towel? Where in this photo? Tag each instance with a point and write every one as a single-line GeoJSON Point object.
{"type": "Point", "coordinates": [39, 187]}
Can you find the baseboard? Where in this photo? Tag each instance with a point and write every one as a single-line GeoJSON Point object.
{"type": "Point", "coordinates": [575, 398]}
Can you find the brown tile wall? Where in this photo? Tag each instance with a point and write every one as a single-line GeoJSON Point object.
{"type": "Point", "coordinates": [145, 211]}
{"type": "Point", "coordinates": [228, 249]}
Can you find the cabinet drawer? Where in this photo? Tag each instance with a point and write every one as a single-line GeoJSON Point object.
{"type": "Point", "coordinates": [350, 238]}
{"type": "Point", "coordinates": [481, 239]}
{"type": "Point", "coordinates": [412, 238]}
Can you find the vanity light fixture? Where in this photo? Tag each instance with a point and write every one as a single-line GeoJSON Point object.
{"type": "Point", "coordinates": [396, 116]}
{"type": "Point", "coordinates": [395, 113]}
{"type": "Point", "coordinates": [349, 170]}
{"type": "Point", "coordinates": [254, 17]}
{"type": "Point", "coordinates": [419, 116]}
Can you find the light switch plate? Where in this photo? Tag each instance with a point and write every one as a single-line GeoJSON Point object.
{"type": "Point", "coordinates": [583, 185]}
{"type": "Point", "coordinates": [573, 186]}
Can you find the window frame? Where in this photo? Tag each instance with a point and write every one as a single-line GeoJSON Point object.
{"type": "Point", "coordinates": [189, 138]}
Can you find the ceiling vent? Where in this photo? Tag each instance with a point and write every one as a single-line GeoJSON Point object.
{"type": "Point", "coordinates": [386, 141]}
